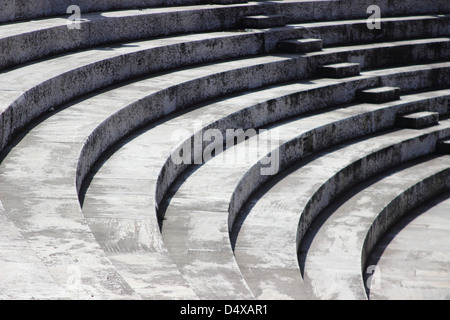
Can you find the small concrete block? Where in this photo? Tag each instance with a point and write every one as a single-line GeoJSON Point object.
{"type": "Point", "coordinates": [300, 45]}
{"type": "Point", "coordinates": [263, 21]}
{"type": "Point", "coordinates": [340, 70]}
{"type": "Point", "coordinates": [378, 95]}
{"type": "Point", "coordinates": [443, 147]}
{"type": "Point", "coordinates": [418, 120]}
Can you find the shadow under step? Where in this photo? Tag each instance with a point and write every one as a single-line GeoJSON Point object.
{"type": "Point", "coordinates": [443, 147]}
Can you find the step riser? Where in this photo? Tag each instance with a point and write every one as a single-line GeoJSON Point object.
{"type": "Point", "coordinates": [339, 72]}
{"type": "Point", "coordinates": [40, 43]}
{"type": "Point", "coordinates": [81, 81]}
{"type": "Point", "coordinates": [294, 151]}
{"type": "Point", "coordinates": [315, 100]}
{"type": "Point", "coordinates": [291, 65]}
{"type": "Point", "coordinates": [422, 121]}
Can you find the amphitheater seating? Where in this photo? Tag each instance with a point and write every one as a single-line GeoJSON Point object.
{"type": "Point", "coordinates": [93, 205]}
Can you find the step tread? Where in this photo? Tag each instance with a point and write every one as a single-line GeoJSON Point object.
{"type": "Point", "coordinates": [335, 251]}
{"type": "Point", "coordinates": [406, 268]}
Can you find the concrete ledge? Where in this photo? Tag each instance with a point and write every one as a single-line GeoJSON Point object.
{"type": "Point", "coordinates": [344, 165]}
{"type": "Point", "coordinates": [263, 21]}
{"type": "Point", "coordinates": [300, 45]}
{"type": "Point", "coordinates": [418, 120]}
{"type": "Point", "coordinates": [340, 70]}
{"type": "Point", "coordinates": [253, 179]}
{"type": "Point", "coordinates": [379, 95]}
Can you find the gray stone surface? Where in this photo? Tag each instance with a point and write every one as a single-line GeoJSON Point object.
{"type": "Point", "coordinates": [25, 41]}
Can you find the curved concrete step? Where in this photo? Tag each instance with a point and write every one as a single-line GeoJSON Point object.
{"type": "Point", "coordinates": [118, 186]}
{"type": "Point", "coordinates": [23, 274]}
{"type": "Point", "coordinates": [292, 10]}
{"type": "Point", "coordinates": [337, 253]}
{"type": "Point", "coordinates": [14, 10]}
{"type": "Point", "coordinates": [105, 218]}
{"type": "Point", "coordinates": [39, 195]}
{"type": "Point", "coordinates": [199, 205]}
{"type": "Point", "coordinates": [162, 100]}
{"type": "Point", "coordinates": [27, 41]}
{"type": "Point", "coordinates": [265, 234]}
{"type": "Point", "coordinates": [411, 260]}
{"type": "Point", "coordinates": [95, 121]}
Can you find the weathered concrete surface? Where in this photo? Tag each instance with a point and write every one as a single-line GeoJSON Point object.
{"type": "Point", "coordinates": [25, 41]}
{"type": "Point", "coordinates": [39, 195]}
{"type": "Point", "coordinates": [333, 265]}
{"type": "Point", "coordinates": [42, 225]}
{"type": "Point", "coordinates": [252, 180]}
{"type": "Point", "coordinates": [265, 234]}
{"type": "Point", "coordinates": [312, 98]}
{"type": "Point", "coordinates": [99, 224]}
{"type": "Point", "coordinates": [412, 258]}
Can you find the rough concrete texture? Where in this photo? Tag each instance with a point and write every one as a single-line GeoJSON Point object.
{"type": "Point", "coordinates": [93, 206]}
{"type": "Point", "coordinates": [405, 267]}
